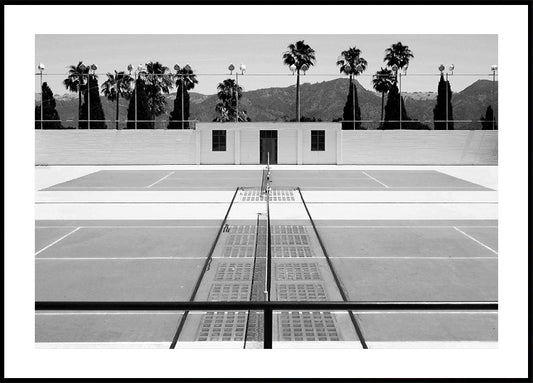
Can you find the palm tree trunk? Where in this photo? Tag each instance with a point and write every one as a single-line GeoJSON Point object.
{"type": "Point", "coordinates": [382, 104]}
{"type": "Point", "coordinates": [298, 95]}
{"type": "Point", "coordinates": [116, 119]}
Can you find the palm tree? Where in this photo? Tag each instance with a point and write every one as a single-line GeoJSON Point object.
{"type": "Point", "coordinates": [117, 85]}
{"type": "Point", "coordinates": [185, 81]}
{"type": "Point", "coordinates": [227, 93]}
{"type": "Point", "coordinates": [158, 81]}
{"type": "Point", "coordinates": [76, 82]}
{"type": "Point", "coordinates": [399, 55]}
{"type": "Point", "coordinates": [352, 64]}
{"type": "Point", "coordinates": [382, 82]}
{"type": "Point", "coordinates": [299, 57]}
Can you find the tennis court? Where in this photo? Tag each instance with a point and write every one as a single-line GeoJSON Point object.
{"type": "Point", "coordinates": [209, 235]}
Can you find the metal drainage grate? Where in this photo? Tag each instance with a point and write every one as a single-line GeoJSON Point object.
{"type": "Point", "coordinates": [243, 235]}
{"type": "Point", "coordinates": [238, 252]}
{"type": "Point", "coordinates": [292, 252]}
{"type": "Point", "coordinates": [297, 271]}
{"type": "Point", "coordinates": [288, 229]}
{"type": "Point", "coordinates": [231, 271]}
{"type": "Point", "coordinates": [301, 292]}
{"type": "Point", "coordinates": [222, 326]}
{"type": "Point", "coordinates": [290, 235]}
{"type": "Point", "coordinates": [229, 292]}
{"type": "Point", "coordinates": [307, 326]}
{"type": "Point", "coordinates": [276, 195]}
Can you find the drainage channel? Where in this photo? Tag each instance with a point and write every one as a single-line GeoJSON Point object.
{"type": "Point", "coordinates": [268, 251]}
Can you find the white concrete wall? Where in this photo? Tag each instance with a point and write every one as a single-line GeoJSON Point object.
{"type": "Point", "coordinates": [410, 147]}
{"type": "Point", "coordinates": [207, 155]}
{"type": "Point", "coordinates": [287, 146]}
{"type": "Point", "coordinates": [328, 156]}
{"type": "Point", "coordinates": [115, 147]}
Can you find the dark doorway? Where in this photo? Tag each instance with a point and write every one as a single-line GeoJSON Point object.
{"type": "Point", "coordinates": [268, 144]}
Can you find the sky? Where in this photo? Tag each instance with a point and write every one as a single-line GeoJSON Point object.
{"type": "Point", "coordinates": [210, 56]}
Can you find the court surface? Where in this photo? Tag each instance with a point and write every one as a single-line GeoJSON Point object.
{"type": "Point", "coordinates": [116, 180]}
{"type": "Point", "coordinates": [446, 251]}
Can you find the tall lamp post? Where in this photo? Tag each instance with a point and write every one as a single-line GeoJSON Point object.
{"type": "Point", "coordinates": [41, 69]}
{"type": "Point", "coordinates": [131, 83]}
{"type": "Point", "coordinates": [93, 68]}
{"type": "Point", "coordinates": [138, 71]}
{"type": "Point", "coordinates": [231, 68]}
{"type": "Point", "coordinates": [81, 80]}
{"type": "Point", "coordinates": [441, 69]}
{"type": "Point", "coordinates": [398, 76]}
{"type": "Point", "coordinates": [493, 68]}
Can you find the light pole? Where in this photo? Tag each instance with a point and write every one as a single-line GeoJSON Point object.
{"type": "Point", "coordinates": [242, 68]}
{"type": "Point", "coordinates": [93, 67]}
{"type": "Point", "coordinates": [177, 69]}
{"type": "Point", "coordinates": [493, 68]}
{"type": "Point", "coordinates": [41, 68]}
{"type": "Point", "coordinates": [441, 69]}
{"type": "Point", "coordinates": [82, 68]}
{"type": "Point", "coordinates": [293, 69]}
{"type": "Point", "coordinates": [138, 72]}
{"type": "Point", "coordinates": [398, 76]}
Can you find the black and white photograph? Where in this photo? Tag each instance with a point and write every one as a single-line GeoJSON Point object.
{"type": "Point", "coordinates": [242, 192]}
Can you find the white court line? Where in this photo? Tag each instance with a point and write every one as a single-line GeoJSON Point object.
{"type": "Point", "coordinates": [475, 240]}
{"type": "Point", "coordinates": [100, 345]}
{"type": "Point", "coordinates": [56, 241]}
{"type": "Point", "coordinates": [114, 258]}
{"type": "Point", "coordinates": [159, 180]}
{"type": "Point", "coordinates": [428, 258]}
{"type": "Point", "coordinates": [138, 226]}
{"type": "Point", "coordinates": [400, 226]}
{"type": "Point", "coordinates": [418, 312]}
{"type": "Point", "coordinates": [177, 312]}
{"type": "Point", "coordinates": [375, 179]}
{"type": "Point", "coordinates": [311, 188]}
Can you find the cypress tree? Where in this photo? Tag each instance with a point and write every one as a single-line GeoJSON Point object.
{"type": "Point", "coordinates": [351, 114]}
{"type": "Point", "coordinates": [176, 115]}
{"type": "Point", "coordinates": [444, 97]}
{"type": "Point", "coordinates": [50, 114]}
{"type": "Point", "coordinates": [144, 116]}
{"type": "Point", "coordinates": [392, 110]}
{"type": "Point", "coordinates": [97, 112]}
{"type": "Point", "coordinates": [487, 122]}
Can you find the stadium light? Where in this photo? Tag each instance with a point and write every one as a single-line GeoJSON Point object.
{"type": "Point", "coordinates": [231, 68]}
{"type": "Point", "coordinates": [242, 68]}
{"type": "Point", "coordinates": [292, 68]}
{"type": "Point", "coordinates": [41, 69]}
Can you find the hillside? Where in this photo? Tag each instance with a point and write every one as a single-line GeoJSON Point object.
{"type": "Point", "coordinates": [322, 101]}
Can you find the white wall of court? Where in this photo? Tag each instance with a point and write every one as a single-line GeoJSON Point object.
{"type": "Point", "coordinates": [405, 147]}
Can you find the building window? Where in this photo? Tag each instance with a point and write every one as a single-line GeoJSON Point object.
{"type": "Point", "coordinates": [219, 140]}
{"type": "Point", "coordinates": [318, 140]}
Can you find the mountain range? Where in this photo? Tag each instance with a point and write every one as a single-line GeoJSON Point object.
{"type": "Point", "coordinates": [323, 101]}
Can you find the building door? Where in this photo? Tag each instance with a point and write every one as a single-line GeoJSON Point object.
{"type": "Point", "coordinates": [268, 146]}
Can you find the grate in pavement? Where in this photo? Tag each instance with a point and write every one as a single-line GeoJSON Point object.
{"type": "Point", "coordinates": [276, 195]}
{"type": "Point", "coordinates": [301, 292]}
{"type": "Point", "coordinates": [238, 252]}
{"type": "Point", "coordinates": [297, 271]}
{"type": "Point", "coordinates": [292, 252]}
{"type": "Point", "coordinates": [229, 292]}
{"type": "Point", "coordinates": [233, 271]}
{"type": "Point", "coordinates": [222, 326]}
{"type": "Point", "coordinates": [307, 326]}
